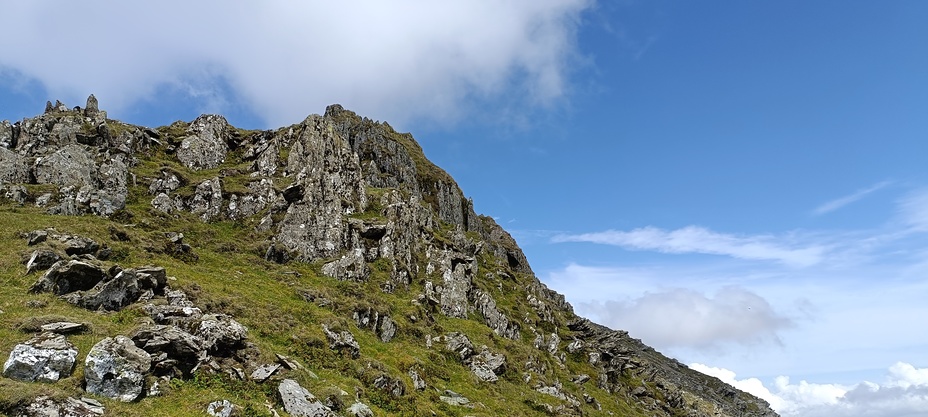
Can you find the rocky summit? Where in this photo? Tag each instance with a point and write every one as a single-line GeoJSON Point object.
{"type": "Point", "coordinates": [325, 268]}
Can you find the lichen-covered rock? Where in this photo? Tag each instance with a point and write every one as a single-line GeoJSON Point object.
{"type": "Point", "coordinates": [47, 357]}
{"type": "Point", "coordinates": [205, 146]}
{"type": "Point", "coordinates": [115, 368]}
{"type": "Point", "coordinates": [350, 267]}
{"type": "Point", "coordinates": [120, 291]}
{"type": "Point", "coordinates": [381, 324]}
{"type": "Point", "coordinates": [360, 410]}
{"type": "Point", "coordinates": [299, 402]}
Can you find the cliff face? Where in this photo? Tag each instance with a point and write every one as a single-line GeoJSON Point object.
{"type": "Point", "coordinates": [383, 242]}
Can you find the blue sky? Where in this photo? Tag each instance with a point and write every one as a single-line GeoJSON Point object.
{"type": "Point", "coordinates": [740, 184]}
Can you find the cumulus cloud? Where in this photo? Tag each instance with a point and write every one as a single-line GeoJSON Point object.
{"type": "Point", "coordinates": [687, 318]}
{"type": "Point", "coordinates": [695, 239]}
{"type": "Point", "coordinates": [848, 199]}
{"type": "Point", "coordinates": [903, 394]}
{"type": "Point", "coordinates": [395, 60]}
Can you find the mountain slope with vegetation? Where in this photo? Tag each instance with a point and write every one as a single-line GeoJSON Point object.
{"type": "Point", "coordinates": [328, 257]}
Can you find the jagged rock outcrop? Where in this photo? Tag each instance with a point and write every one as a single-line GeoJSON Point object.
{"type": "Point", "coordinates": [360, 203]}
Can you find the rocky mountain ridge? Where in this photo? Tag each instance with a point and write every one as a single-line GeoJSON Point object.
{"type": "Point", "coordinates": [356, 203]}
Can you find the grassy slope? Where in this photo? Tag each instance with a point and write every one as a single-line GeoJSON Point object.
{"type": "Point", "coordinates": [230, 276]}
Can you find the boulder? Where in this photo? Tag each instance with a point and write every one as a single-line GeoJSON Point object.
{"type": "Point", "coordinates": [120, 291]}
{"type": "Point", "coordinates": [68, 276]}
{"type": "Point", "coordinates": [221, 334]}
{"type": "Point", "coordinates": [115, 368]}
{"type": "Point", "coordinates": [453, 398]}
{"type": "Point", "coordinates": [360, 410]}
{"type": "Point", "coordinates": [174, 350]}
{"type": "Point", "coordinates": [263, 372]}
{"type": "Point", "coordinates": [63, 327]}
{"type": "Point", "coordinates": [299, 402]}
{"type": "Point", "coordinates": [47, 357]}
{"type": "Point", "coordinates": [417, 382]}
{"type": "Point", "coordinates": [41, 260]}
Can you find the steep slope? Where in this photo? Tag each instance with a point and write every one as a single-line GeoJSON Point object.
{"type": "Point", "coordinates": [358, 267]}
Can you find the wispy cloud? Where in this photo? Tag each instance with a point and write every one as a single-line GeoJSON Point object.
{"type": "Point", "coordinates": [913, 210]}
{"type": "Point", "coordinates": [838, 203]}
{"type": "Point", "coordinates": [695, 239]}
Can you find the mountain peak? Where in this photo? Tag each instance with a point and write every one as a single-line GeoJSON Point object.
{"type": "Point", "coordinates": [328, 256]}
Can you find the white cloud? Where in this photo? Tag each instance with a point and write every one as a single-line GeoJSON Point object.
{"type": "Point", "coordinates": [903, 394]}
{"type": "Point", "coordinates": [393, 60]}
{"type": "Point", "coordinates": [682, 317]}
{"type": "Point", "coordinates": [695, 239]}
{"type": "Point", "coordinates": [848, 199]}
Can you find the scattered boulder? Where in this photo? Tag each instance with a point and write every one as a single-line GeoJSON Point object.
{"type": "Point", "coordinates": [63, 327]}
{"type": "Point", "coordinates": [263, 372]}
{"type": "Point", "coordinates": [47, 357]}
{"type": "Point", "coordinates": [115, 368]}
{"type": "Point", "coordinates": [454, 398]}
{"type": "Point", "coordinates": [342, 341]}
{"type": "Point", "coordinates": [78, 245]}
{"type": "Point", "coordinates": [299, 402]}
{"type": "Point", "coordinates": [44, 406]}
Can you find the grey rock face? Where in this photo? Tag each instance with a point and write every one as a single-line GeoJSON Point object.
{"type": "Point", "coordinates": [325, 166]}
{"type": "Point", "coordinates": [71, 165]}
{"type": "Point", "coordinates": [205, 146]}
{"type": "Point", "coordinates": [6, 135]}
{"type": "Point", "coordinates": [350, 267]}
{"type": "Point", "coordinates": [13, 167]}
{"type": "Point", "coordinates": [263, 372]}
{"type": "Point", "coordinates": [63, 327]}
{"type": "Point", "coordinates": [298, 402]}
{"type": "Point", "coordinates": [116, 368]}
{"type": "Point", "coordinates": [44, 358]}
{"type": "Point", "coordinates": [501, 325]}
